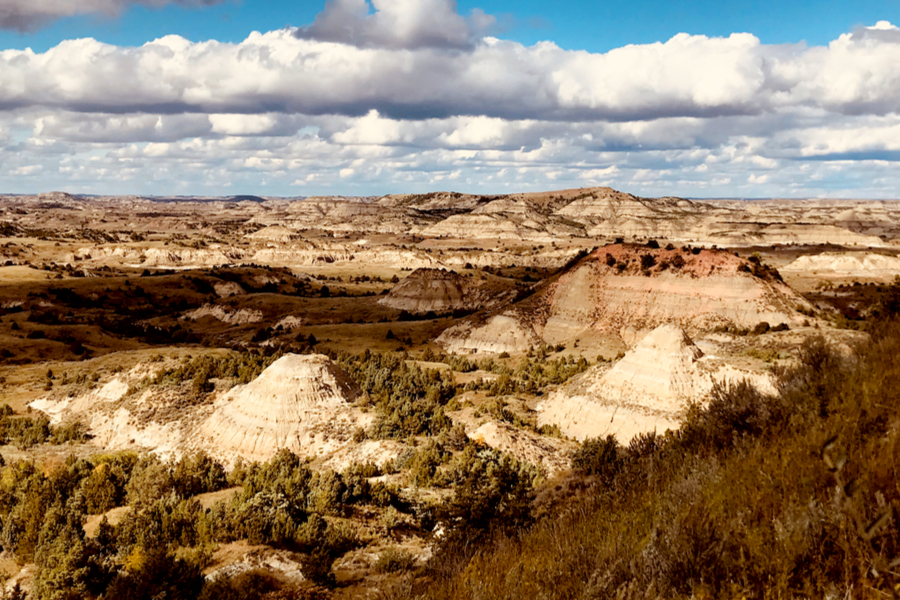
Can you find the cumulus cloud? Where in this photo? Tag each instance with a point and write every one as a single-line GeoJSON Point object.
{"type": "Point", "coordinates": [410, 93]}
{"type": "Point", "coordinates": [276, 72]}
{"type": "Point", "coordinates": [397, 24]}
{"type": "Point", "coordinates": [28, 15]}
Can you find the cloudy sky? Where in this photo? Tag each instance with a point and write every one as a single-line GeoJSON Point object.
{"type": "Point", "coordinates": [302, 97]}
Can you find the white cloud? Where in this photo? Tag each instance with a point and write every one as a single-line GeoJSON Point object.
{"type": "Point", "coordinates": [276, 72]}
{"type": "Point", "coordinates": [405, 94]}
{"type": "Point", "coordinates": [28, 15]}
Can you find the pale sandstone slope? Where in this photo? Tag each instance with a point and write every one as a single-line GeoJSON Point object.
{"type": "Point", "coordinates": [833, 263]}
{"type": "Point", "coordinates": [502, 333]}
{"type": "Point", "coordinates": [301, 403]}
{"type": "Point", "coordinates": [551, 454]}
{"type": "Point", "coordinates": [647, 390]}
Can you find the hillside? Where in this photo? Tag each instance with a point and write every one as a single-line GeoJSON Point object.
{"type": "Point", "coordinates": [627, 290]}
{"type": "Point", "coordinates": [440, 291]}
{"type": "Point", "coordinates": [649, 390]}
{"type": "Point", "coordinates": [299, 403]}
{"type": "Point", "coordinates": [790, 495]}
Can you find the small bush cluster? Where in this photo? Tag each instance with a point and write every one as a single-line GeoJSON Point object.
{"type": "Point", "coordinates": [409, 400]}
{"type": "Point", "coordinates": [25, 432]}
{"type": "Point", "coordinates": [531, 374]}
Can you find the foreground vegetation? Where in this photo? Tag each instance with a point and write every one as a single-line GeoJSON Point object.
{"type": "Point", "coordinates": [167, 538]}
{"type": "Point", "coordinates": [788, 496]}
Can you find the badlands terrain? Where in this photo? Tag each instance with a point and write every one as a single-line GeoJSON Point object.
{"type": "Point", "coordinates": [329, 396]}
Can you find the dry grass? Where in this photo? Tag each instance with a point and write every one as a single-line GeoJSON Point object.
{"type": "Point", "coordinates": [787, 497]}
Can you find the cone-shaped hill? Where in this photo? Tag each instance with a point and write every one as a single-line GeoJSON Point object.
{"type": "Point", "coordinates": [626, 289]}
{"type": "Point", "coordinates": [647, 390]}
{"type": "Point", "coordinates": [301, 403]}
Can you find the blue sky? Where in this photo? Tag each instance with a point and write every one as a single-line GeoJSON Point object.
{"type": "Point", "coordinates": [592, 26]}
{"type": "Point", "coordinates": [695, 98]}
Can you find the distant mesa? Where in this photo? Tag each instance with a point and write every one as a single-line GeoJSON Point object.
{"type": "Point", "coordinates": [626, 289]}
{"type": "Point", "coordinates": [247, 198]}
{"type": "Point", "coordinates": [273, 233]}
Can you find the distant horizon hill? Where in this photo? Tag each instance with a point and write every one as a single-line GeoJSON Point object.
{"type": "Point", "coordinates": [172, 198]}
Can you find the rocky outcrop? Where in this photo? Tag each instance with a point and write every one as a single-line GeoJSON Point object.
{"type": "Point", "coordinates": [501, 333]}
{"type": "Point", "coordinates": [632, 288]}
{"type": "Point", "coordinates": [647, 390]}
{"type": "Point", "coordinates": [272, 233]}
{"type": "Point", "coordinates": [221, 313]}
{"type": "Point", "coordinates": [225, 289]}
{"type": "Point", "coordinates": [301, 403]}
{"type": "Point", "coordinates": [506, 218]}
{"type": "Point", "coordinates": [551, 454]}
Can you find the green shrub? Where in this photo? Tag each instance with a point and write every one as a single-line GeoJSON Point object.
{"type": "Point", "coordinates": [599, 456]}
{"type": "Point", "coordinates": [150, 480]}
{"type": "Point", "coordinates": [491, 490]}
{"type": "Point", "coordinates": [409, 400]}
{"type": "Point", "coordinates": [197, 474]}
{"type": "Point", "coordinates": [250, 585]}
{"type": "Point", "coordinates": [394, 560]}
{"type": "Point", "coordinates": [316, 567]}
{"type": "Point", "coordinates": [155, 574]}
{"type": "Point", "coordinates": [168, 523]}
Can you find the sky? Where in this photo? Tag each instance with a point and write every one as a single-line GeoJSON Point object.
{"type": "Point", "coordinates": [307, 97]}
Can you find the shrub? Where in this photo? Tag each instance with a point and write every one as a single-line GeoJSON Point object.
{"type": "Point", "coordinates": [394, 560]}
{"type": "Point", "coordinates": [150, 480]}
{"type": "Point", "coordinates": [647, 261]}
{"type": "Point", "coordinates": [267, 518]}
{"type": "Point", "coordinates": [316, 567]}
{"type": "Point", "coordinates": [250, 585]}
{"type": "Point", "coordinates": [598, 456]}
{"type": "Point", "coordinates": [197, 474]}
{"type": "Point", "coordinates": [409, 400]}
{"type": "Point", "coordinates": [168, 523]}
{"type": "Point", "coordinates": [103, 489]}
{"type": "Point", "coordinates": [152, 574]}
{"type": "Point", "coordinates": [491, 490]}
